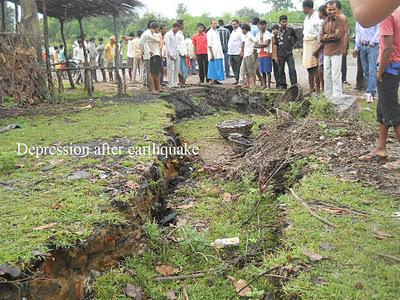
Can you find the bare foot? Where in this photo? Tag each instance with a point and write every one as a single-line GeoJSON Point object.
{"type": "Point", "coordinates": [376, 155]}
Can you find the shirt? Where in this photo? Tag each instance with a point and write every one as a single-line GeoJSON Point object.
{"type": "Point", "coordinates": [366, 35]}
{"type": "Point", "coordinates": [130, 52]}
{"type": "Point", "coordinates": [224, 35]}
{"type": "Point", "coordinates": [100, 52]}
{"type": "Point", "coordinates": [180, 40]}
{"type": "Point", "coordinates": [78, 54]}
{"type": "Point", "coordinates": [391, 26]}
{"type": "Point", "coordinates": [153, 44]}
{"type": "Point", "coordinates": [171, 45]}
{"type": "Point", "coordinates": [62, 56]}
{"type": "Point", "coordinates": [137, 51]}
{"type": "Point", "coordinates": [332, 35]}
{"type": "Point", "coordinates": [213, 41]}
{"type": "Point", "coordinates": [144, 46]}
{"type": "Point", "coordinates": [92, 50]}
{"type": "Point", "coordinates": [190, 47]}
{"type": "Point", "coordinates": [200, 43]}
{"type": "Point", "coordinates": [254, 30]}
{"type": "Point", "coordinates": [285, 40]}
{"type": "Point", "coordinates": [235, 42]}
{"type": "Point", "coordinates": [264, 38]}
{"type": "Point", "coordinates": [249, 42]}
{"type": "Point", "coordinates": [110, 52]}
{"type": "Point", "coordinates": [312, 26]}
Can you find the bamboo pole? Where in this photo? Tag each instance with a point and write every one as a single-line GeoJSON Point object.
{"type": "Point", "coordinates": [71, 80]}
{"type": "Point", "coordinates": [46, 45]}
{"type": "Point", "coordinates": [117, 74]}
{"type": "Point", "coordinates": [88, 77]}
{"type": "Point", "coordinates": [16, 15]}
{"type": "Point", "coordinates": [3, 16]}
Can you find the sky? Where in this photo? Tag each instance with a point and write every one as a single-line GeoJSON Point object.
{"type": "Point", "coordinates": [213, 7]}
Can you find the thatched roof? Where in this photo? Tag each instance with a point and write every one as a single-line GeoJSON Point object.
{"type": "Point", "coordinates": [78, 9]}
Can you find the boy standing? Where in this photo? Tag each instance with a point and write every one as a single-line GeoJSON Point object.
{"type": "Point", "coordinates": [263, 45]}
{"type": "Point", "coordinates": [285, 40]}
{"type": "Point", "coordinates": [249, 63]}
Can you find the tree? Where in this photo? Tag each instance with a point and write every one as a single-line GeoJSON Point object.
{"type": "Point", "coordinates": [181, 10]}
{"type": "Point", "coordinates": [246, 14]}
{"type": "Point", "coordinates": [280, 4]}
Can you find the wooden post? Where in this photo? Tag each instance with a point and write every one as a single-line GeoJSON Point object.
{"type": "Point", "coordinates": [16, 15]}
{"type": "Point", "coordinates": [3, 15]}
{"type": "Point", "coordinates": [71, 80]}
{"type": "Point", "coordinates": [88, 77]}
{"type": "Point", "coordinates": [119, 79]}
{"type": "Point", "coordinates": [46, 45]}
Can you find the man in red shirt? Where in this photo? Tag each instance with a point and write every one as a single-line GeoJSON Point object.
{"type": "Point", "coordinates": [201, 51]}
{"type": "Point", "coordinates": [388, 85]}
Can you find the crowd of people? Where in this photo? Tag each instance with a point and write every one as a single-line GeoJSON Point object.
{"type": "Point", "coordinates": [250, 52]}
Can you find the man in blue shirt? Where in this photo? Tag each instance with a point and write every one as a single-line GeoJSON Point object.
{"type": "Point", "coordinates": [367, 46]}
{"type": "Point", "coordinates": [254, 26]}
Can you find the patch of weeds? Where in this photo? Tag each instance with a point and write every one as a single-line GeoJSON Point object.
{"type": "Point", "coordinates": [9, 102]}
{"type": "Point", "coordinates": [353, 268]}
{"type": "Point", "coordinates": [321, 108]}
{"type": "Point", "coordinates": [333, 132]}
{"type": "Point", "coordinates": [296, 109]}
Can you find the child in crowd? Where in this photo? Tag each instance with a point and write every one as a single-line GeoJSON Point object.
{"type": "Point", "coordinates": [249, 63]}
{"type": "Point", "coordinates": [263, 45]}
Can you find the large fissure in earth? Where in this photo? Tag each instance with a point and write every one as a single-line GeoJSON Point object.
{"type": "Point", "coordinates": [64, 273]}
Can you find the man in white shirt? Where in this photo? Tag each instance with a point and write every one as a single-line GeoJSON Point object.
{"type": "Point", "coordinates": [130, 54]}
{"type": "Point", "coordinates": [137, 56]}
{"type": "Point", "coordinates": [312, 27]}
{"type": "Point", "coordinates": [79, 57]}
{"type": "Point", "coordinates": [154, 45]}
{"type": "Point", "coordinates": [92, 51]}
{"type": "Point", "coordinates": [249, 62]}
{"type": "Point", "coordinates": [215, 55]}
{"type": "Point", "coordinates": [235, 48]}
{"type": "Point", "coordinates": [183, 55]}
{"type": "Point", "coordinates": [146, 56]}
{"type": "Point", "coordinates": [171, 49]}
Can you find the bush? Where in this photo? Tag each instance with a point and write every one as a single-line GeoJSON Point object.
{"type": "Point", "coordinates": [321, 108]}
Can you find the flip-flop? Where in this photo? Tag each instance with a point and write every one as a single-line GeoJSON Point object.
{"type": "Point", "coordinates": [392, 166]}
{"type": "Point", "coordinates": [372, 157]}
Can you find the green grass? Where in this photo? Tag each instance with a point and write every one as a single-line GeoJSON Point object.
{"type": "Point", "coordinates": [353, 271]}
{"type": "Point", "coordinates": [193, 253]}
{"type": "Point", "coordinates": [42, 197]}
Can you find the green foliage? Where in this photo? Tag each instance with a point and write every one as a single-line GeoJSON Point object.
{"type": "Point", "coordinates": [294, 16]}
{"type": "Point", "coordinates": [321, 108]}
{"type": "Point", "coordinates": [280, 4]}
{"type": "Point", "coordinates": [246, 14]}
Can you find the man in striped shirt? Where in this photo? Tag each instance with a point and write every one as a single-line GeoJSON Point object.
{"type": "Point", "coordinates": [224, 35]}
